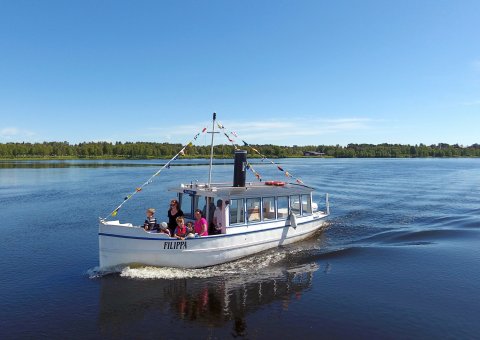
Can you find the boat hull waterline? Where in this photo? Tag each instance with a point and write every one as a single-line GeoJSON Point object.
{"type": "Point", "coordinates": [123, 244]}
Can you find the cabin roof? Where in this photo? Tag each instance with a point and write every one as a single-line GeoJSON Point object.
{"type": "Point", "coordinates": [249, 190]}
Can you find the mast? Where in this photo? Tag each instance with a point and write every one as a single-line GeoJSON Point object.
{"type": "Point", "coordinates": [211, 150]}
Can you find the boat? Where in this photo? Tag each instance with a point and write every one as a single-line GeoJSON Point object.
{"type": "Point", "coordinates": [257, 216]}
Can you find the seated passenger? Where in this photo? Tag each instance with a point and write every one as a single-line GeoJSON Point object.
{"type": "Point", "coordinates": [201, 227]}
{"type": "Point", "coordinates": [181, 230]}
{"type": "Point", "coordinates": [173, 213]}
{"type": "Point", "coordinates": [190, 230]}
{"type": "Point", "coordinates": [150, 223]}
{"type": "Point", "coordinates": [164, 229]}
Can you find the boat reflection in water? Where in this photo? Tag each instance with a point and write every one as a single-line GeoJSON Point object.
{"type": "Point", "coordinates": [168, 306]}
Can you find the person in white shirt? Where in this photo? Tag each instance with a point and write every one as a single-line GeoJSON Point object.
{"type": "Point", "coordinates": [218, 219]}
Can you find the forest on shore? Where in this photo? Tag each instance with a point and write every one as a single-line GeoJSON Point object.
{"type": "Point", "coordinates": [150, 150]}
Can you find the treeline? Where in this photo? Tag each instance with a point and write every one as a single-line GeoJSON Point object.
{"type": "Point", "coordinates": [143, 150]}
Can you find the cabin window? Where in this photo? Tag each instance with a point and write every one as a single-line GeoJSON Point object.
{"type": "Point", "coordinates": [295, 204]}
{"type": "Point", "coordinates": [306, 205]}
{"type": "Point", "coordinates": [268, 208]}
{"type": "Point", "coordinates": [253, 209]}
{"type": "Point", "coordinates": [210, 202]}
{"type": "Point", "coordinates": [188, 204]}
{"type": "Point", "coordinates": [282, 207]}
{"type": "Point", "coordinates": [237, 211]}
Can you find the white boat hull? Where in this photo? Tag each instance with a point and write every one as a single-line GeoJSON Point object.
{"type": "Point", "coordinates": [123, 244]}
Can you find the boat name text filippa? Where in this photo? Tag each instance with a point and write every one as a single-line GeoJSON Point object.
{"type": "Point", "coordinates": [175, 245]}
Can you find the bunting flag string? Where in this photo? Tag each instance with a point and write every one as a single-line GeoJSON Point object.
{"type": "Point", "coordinates": [287, 174]}
{"type": "Point", "coordinates": [150, 180]}
{"type": "Point", "coordinates": [255, 173]}
{"type": "Point", "coordinates": [221, 127]}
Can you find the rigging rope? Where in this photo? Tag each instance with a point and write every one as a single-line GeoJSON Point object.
{"type": "Point", "coordinates": [150, 180]}
{"type": "Point", "coordinates": [287, 174]}
{"type": "Point", "coordinates": [249, 165]}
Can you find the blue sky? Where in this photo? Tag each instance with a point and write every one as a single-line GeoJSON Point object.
{"type": "Point", "coordinates": [280, 72]}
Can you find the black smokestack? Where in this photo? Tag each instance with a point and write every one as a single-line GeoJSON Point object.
{"type": "Point", "coordinates": [240, 168]}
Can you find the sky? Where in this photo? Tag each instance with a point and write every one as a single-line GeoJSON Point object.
{"type": "Point", "coordinates": [276, 72]}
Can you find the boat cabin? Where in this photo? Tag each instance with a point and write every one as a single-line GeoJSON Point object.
{"type": "Point", "coordinates": [254, 203]}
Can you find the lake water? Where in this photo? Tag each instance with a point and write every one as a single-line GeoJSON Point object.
{"type": "Point", "coordinates": [400, 257]}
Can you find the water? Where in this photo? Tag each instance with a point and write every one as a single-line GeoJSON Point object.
{"type": "Point", "coordinates": [400, 257]}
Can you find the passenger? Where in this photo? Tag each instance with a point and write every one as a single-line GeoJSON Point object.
{"type": "Point", "coordinates": [150, 223]}
{"type": "Point", "coordinates": [201, 227]}
{"type": "Point", "coordinates": [164, 229]}
{"type": "Point", "coordinates": [190, 230]}
{"type": "Point", "coordinates": [173, 213]}
{"type": "Point", "coordinates": [218, 219]}
{"type": "Point", "coordinates": [181, 230]}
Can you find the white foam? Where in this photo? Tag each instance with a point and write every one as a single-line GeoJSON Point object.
{"type": "Point", "coordinates": [97, 272]}
{"type": "Point", "coordinates": [249, 265]}
{"type": "Point", "coordinates": [164, 273]}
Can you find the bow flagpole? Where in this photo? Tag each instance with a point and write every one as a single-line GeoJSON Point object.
{"type": "Point", "coordinates": [211, 149]}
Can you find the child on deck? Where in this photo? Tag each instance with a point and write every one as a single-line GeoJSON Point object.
{"type": "Point", "coordinates": [190, 230]}
{"type": "Point", "coordinates": [150, 223]}
{"type": "Point", "coordinates": [164, 229]}
{"type": "Point", "coordinates": [181, 230]}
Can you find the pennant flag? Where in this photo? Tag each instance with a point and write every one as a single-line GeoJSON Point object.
{"type": "Point", "coordinates": [287, 174]}
{"type": "Point", "coordinates": [299, 181]}
{"type": "Point", "coordinates": [167, 166]}
{"type": "Point", "coordinates": [204, 129]}
{"type": "Point", "coordinates": [233, 133]}
{"type": "Point", "coordinates": [279, 168]}
{"type": "Point", "coordinates": [244, 143]}
{"type": "Point", "coordinates": [114, 213]}
{"type": "Point", "coordinates": [138, 189]}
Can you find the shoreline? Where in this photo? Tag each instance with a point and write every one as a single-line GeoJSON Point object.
{"type": "Point", "coordinates": [62, 158]}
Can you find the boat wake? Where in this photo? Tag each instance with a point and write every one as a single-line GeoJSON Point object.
{"type": "Point", "coordinates": [246, 266]}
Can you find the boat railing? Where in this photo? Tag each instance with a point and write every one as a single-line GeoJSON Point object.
{"type": "Point", "coordinates": [212, 186]}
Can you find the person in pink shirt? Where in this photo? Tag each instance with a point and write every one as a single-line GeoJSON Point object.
{"type": "Point", "coordinates": [200, 224]}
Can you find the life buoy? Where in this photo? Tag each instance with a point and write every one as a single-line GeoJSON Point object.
{"type": "Point", "coordinates": [279, 184]}
{"type": "Point", "coordinates": [270, 183]}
